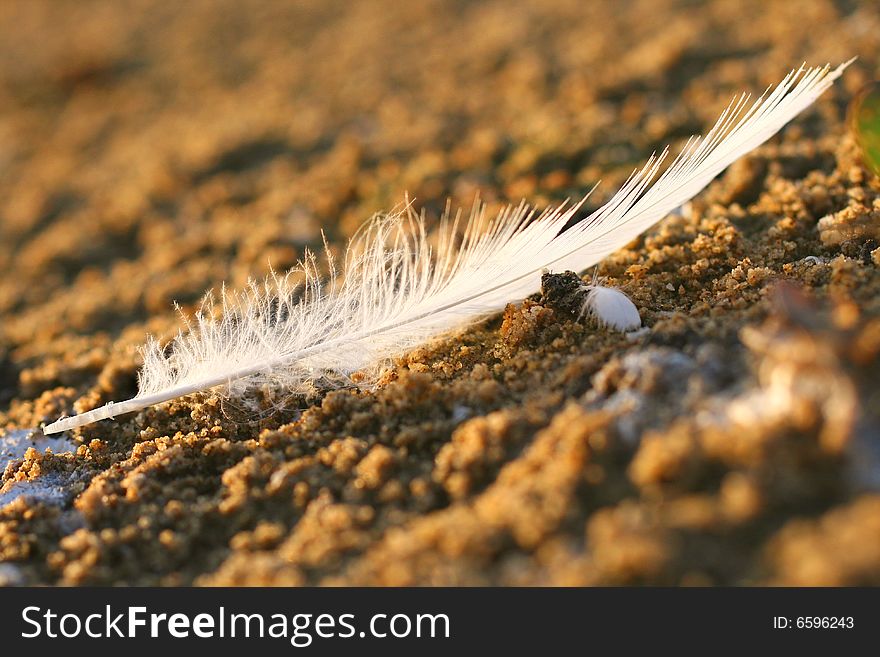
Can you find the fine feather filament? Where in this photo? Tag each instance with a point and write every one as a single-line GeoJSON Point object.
{"type": "Point", "coordinates": [399, 288]}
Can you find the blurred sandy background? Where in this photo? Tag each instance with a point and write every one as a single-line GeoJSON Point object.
{"type": "Point", "coordinates": [150, 151]}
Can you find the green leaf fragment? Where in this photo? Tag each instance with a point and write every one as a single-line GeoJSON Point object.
{"type": "Point", "coordinates": [865, 123]}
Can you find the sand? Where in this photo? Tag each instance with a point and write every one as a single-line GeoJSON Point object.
{"type": "Point", "coordinates": [150, 151]}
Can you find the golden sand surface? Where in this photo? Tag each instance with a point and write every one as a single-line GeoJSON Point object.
{"type": "Point", "coordinates": [150, 151]}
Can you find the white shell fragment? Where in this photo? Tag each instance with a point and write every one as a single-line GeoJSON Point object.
{"type": "Point", "coordinates": [611, 308]}
{"type": "Point", "coordinates": [683, 211]}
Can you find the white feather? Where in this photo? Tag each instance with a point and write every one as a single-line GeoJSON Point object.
{"type": "Point", "coordinates": [398, 291]}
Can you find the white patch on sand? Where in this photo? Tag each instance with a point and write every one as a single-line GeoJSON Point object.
{"type": "Point", "coordinates": [15, 442]}
{"type": "Point", "coordinates": [50, 487]}
{"type": "Point", "coordinates": [11, 575]}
